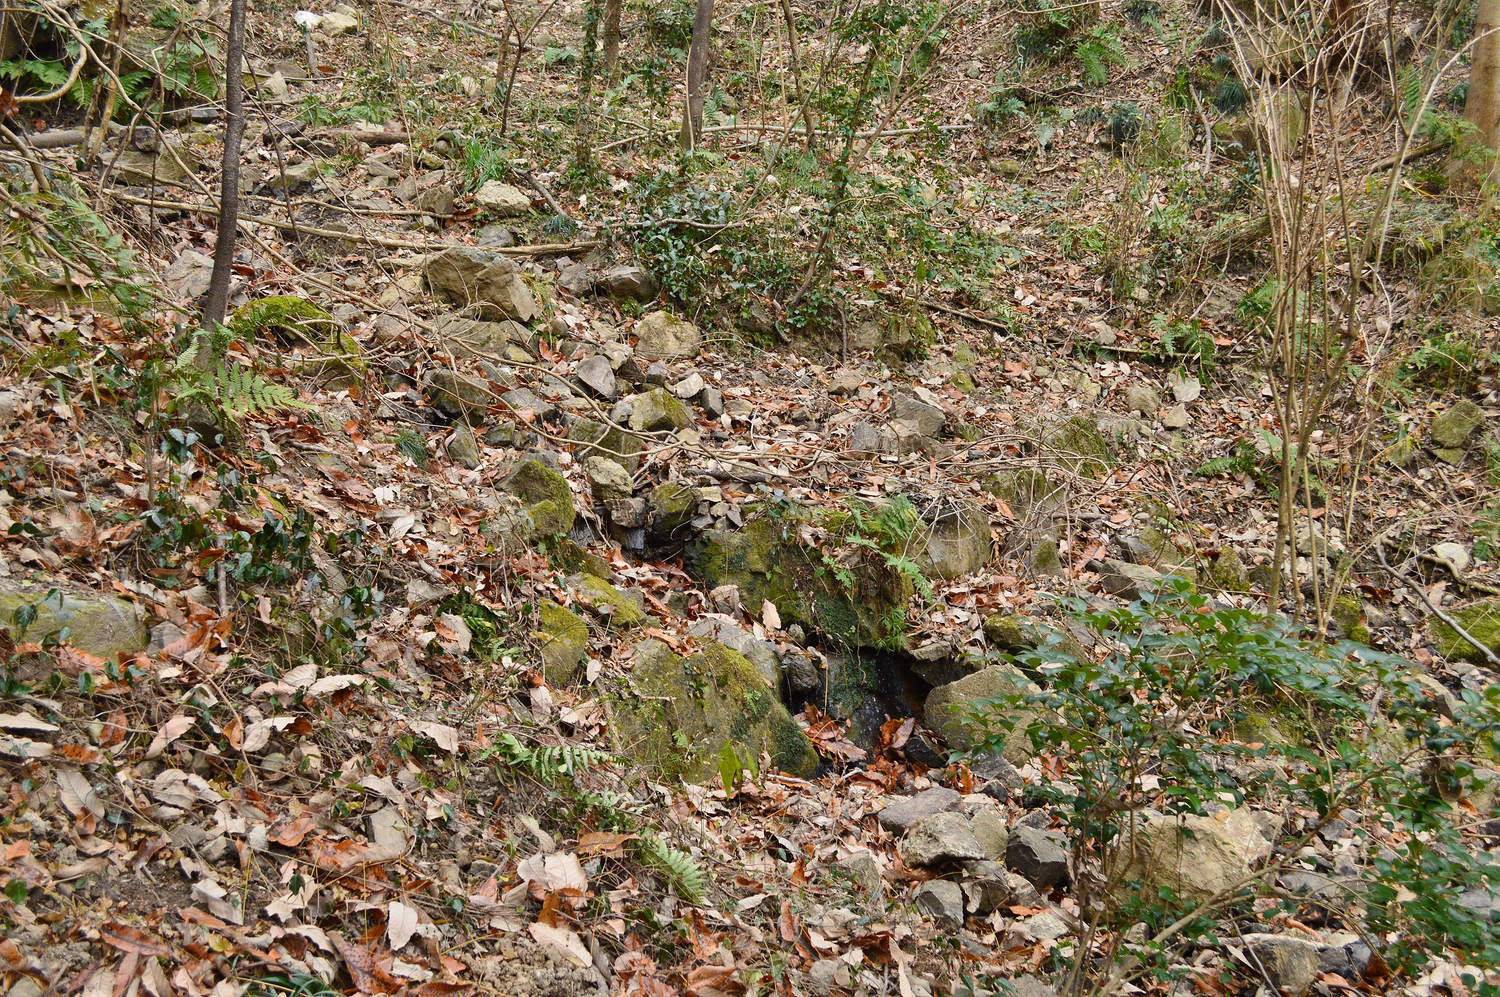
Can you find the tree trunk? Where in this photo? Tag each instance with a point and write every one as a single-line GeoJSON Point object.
{"type": "Point", "coordinates": [1483, 106]}
{"type": "Point", "coordinates": [229, 186]}
{"type": "Point", "coordinates": [697, 73]}
{"type": "Point", "coordinates": [611, 38]}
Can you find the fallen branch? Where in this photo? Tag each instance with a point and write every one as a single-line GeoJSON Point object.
{"type": "Point", "coordinates": [1419, 152]}
{"type": "Point", "coordinates": [365, 136]}
{"type": "Point", "coordinates": [540, 249]}
{"type": "Point", "coordinates": [964, 314]}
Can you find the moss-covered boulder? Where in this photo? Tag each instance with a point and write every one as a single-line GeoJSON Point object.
{"type": "Point", "coordinates": [672, 505]}
{"type": "Point", "coordinates": [607, 601]}
{"type": "Point", "coordinates": [336, 362]}
{"type": "Point", "coordinates": [458, 396]}
{"type": "Point", "coordinates": [1481, 620]}
{"type": "Point", "coordinates": [594, 439]}
{"type": "Point", "coordinates": [857, 601]}
{"type": "Point", "coordinates": [1349, 616]}
{"type": "Point", "coordinates": [946, 711]}
{"type": "Point", "coordinates": [101, 625]}
{"type": "Point", "coordinates": [680, 712]}
{"type": "Point", "coordinates": [658, 411]}
{"type": "Point", "coordinates": [1452, 429]}
{"type": "Point", "coordinates": [288, 318]}
{"type": "Point", "coordinates": [1077, 445]}
{"type": "Point", "coordinates": [562, 642]}
{"type": "Point", "coordinates": [546, 495]}
{"type": "Point", "coordinates": [956, 543]}
{"type": "Point", "coordinates": [573, 559]}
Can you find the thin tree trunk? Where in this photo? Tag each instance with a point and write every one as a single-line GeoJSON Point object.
{"type": "Point", "coordinates": [229, 187]}
{"type": "Point", "coordinates": [697, 73]}
{"type": "Point", "coordinates": [1482, 109]}
{"type": "Point", "coordinates": [612, 10]}
{"type": "Point", "coordinates": [791, 35]}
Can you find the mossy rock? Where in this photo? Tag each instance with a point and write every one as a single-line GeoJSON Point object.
{"type": "Point", "coordinates": [546, 495]}
{"type": "Point", "coordinates": [658, 411]}
{"type": "Point", "coordinates": [563, 643]}
{"type": "Point", "coordinates": [288, 318]}
{"type": "Point", "coordinates": [680, 712]}
{"type": "Point", "coordinates": [1023, 489]}
{"type": "Point", "coordinates": [1481, 620]}
{"type": "Point", "coordinates": [768, 561]}
{"type": "Point", "coordinates": [594, 439]}
{"type": "Point", "coordinates": [1228, 572]}
{"type": "Point", "coordinates": [101, 625]}
{"type": "Point", "coordinates": [608, 601]}
{"type": "Point", "coordinates": [1077, 445]}
{"type": "Point", "coordinates": [1349, 614]}
{"type": "Point", "coordinates": [339, 362]}
{"type": "Point", "coordinates": [672, 505]}
{"type": "Point", "coordinates": [573, 559]}
{"type": "Point", "coordinates": [894, 335]}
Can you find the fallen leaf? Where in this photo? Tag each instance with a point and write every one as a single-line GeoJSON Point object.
{"type": "Point", "coordinates": [170, 731]}
{"type": "Point", "coordinates": [75, 792]}
{"type": "Point", "coordinates": [364, 971]}
{"type": "Point", "coordinates": [128, 938]}
{"type": "Point", "coordinates": [442, 735]}
{"type": "Point", "coordinates": [400, 924]}
{"type": "Point", "coordinates": [564, 940]}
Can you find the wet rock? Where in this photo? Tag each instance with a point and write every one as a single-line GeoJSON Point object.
{"type": "Point", "coordinates": [596, 374]}
{"type": "Point", "coordinates": [927, 418]}
{"type": "Point", "coordinates": [463, 448]}
{"type": "Point", "coordinates": [502, 199]}
{"type": "Point", "coordinates": [627, 283]}
{"type": "Point", "coordinates": [607, 478]}
{"type": "Point", "coordinates": [801, 671]}
{"type": "Point", "coordinates": [657, 411]}
{"type": "Point", "coordinates": [562, 642]}
{"type": "Point", "coordinates": [1451, 430]}
{"type": "Point", "coordinates": [1290, 964]}
{"type": "Point", "coordinates": [681, 712]}
{"type": "Point", "coordinates": [905, 814]}
{"type": "Point", "coordinates": [943, 903]}
{"type": "Point", "coordinates": [489, 283]}
{"type": "Point", "coordinates": [940, 839]}
{"type": "Point", "coordinates": [101, 625]}
{"type": "Point", "coordinates": [457, 395]}
{"type": "Point", "coordinates": [660, 336]}
{"type": "Point", "coordinates": [958, 730]}
{"type": "Point", "coordinates": [1040, 856]}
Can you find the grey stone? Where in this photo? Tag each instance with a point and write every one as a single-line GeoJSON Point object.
{"type": "Point", "coordinates": [1347, 956]}
{"type": "Point", "coordinates": [1452, 429]}
{"type": "Point", "coordinates": [526, 400]}
{"type": "Point", "coordinates": [689, 387]}
{"type": "Point", "coordinates": [189, 274]}
{"type": "Point", "coordinates": [576, 278]}
{"type": "Point", "coordinates": [1030, 986]}
{"type": "Point", "coordinates": [608, 479]}
{"type": "Point", "coordinates": [940, 714]}
{"type": "Point", "coordinates": [496, 237]}
{"type": "Point", "coordinates": [903, 815]}
{"type": "Point", "coordinates": [1185, 387]}
{"type": "Point", "coordinates": [802, 673]}
{"type": "Point", "coordinates": [489, 283]}
{"type": "Point", "coordinates": [464, 448]}
{"type": "Point", "coordinates": [502, 199]}
{"type": "Point", "coordinates": [1046, 927]}
{"type": "Point", "coordinates": [631, 513]}
{"type": "Point", "coordinates": [1038, 855]}
{"type": "Point", "coordinates": [927, 419]}
{"type": "Point", "coordinates": [712, 402]}
{"type": "Point", "coordinates": [657, 411]}
{"type": "Point", "coordinates": [860, 866]}
{"type": "Point", "coordinates": [1176, 417]}
{"type": "Point", "coordinates": [436, 201]}
{"type": "Point", "coordinates": [1143, 399]}
{"type": "Point", "coordinates": [597, 375]}
{"type": "Point", "coordinates": [458, 395]}
{"type": "Point", "coordinates": [826, 974]}
{"type": "Point", "coordinates": [466, 337]}
{"type": "Point", "coordinates": [627, 283]}
{"type": "Point", "coordinates": [762, 654]}
{"type": "Point", "coordinates": [941, 838]}
{"type": "Point", "coordinates": [943, 903]}
{"type": "Point", "coordinates": [864, 440]}
{"type": "Point", "coordinates": [1126, 580]}
{"type": "Point", "coordinates": [1194, 856]}
{"type": "Point", "coordinates": [988, 825]}
{"type": "Point", "coordinates": [956, 543]}
{"type": "Point", "coordinates": [660, 336]}
{"type": "Point", "coordinates": [988, 889]}
{"type": "Point", "coordinates": [1290, 964]}
{"type": "Point", "coordinates": [658, 374]}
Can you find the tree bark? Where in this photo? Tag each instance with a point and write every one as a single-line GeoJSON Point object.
{"type": "Point", "coordinates": [697, 73]}
{"type": "Point", "coordinates": [1483, 106]}
{"type": "Point", "coordinates": [791, 37]}
{"type": "Point", "coordinates": [611, 38]}
{"type": "Point", "coordinates": [229, 185]}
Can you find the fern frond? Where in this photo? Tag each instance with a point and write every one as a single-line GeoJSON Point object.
{"type": "Point", "coordinates": [241, 392]}
{"type": "Point", "coordinates": [680, 869]}
{"type": "Point", "coordinates": [413, 446]}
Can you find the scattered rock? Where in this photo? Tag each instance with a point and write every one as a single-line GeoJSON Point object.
{"type": "Point", "coordinates": [463, 448]}
{"type": "Point", "coordinates": [1185, 387]}
{"type": "Point", "coordinates": [607, 478]}
{"type": "Point", "coordinates": [491, 284]}
{"type": "Point", "coordinates": [1040, 856]}
{"type": "Point", "coordinates": [597, 375]}
{"type": "Point", "coordinates": [939, 839]}
{"type": "Point", "coordinates": [927, 418]}
{"type": "Point", "coordinates": [458, 395]}
{"type": "Point", "coordinates": [990, 831]}
{"type": "Point", "coordinates": [827, 974]}
{"type": "Point", "coordinates": [1143, 399]}
{"type": "Point", "coordinates": [629, 283]}
{"type": "Point", "coordinates": [943, 903]}
{"type": "Point", "coordinates": [1196, 856]}
{"type": "Point", "coordinates": [660, 336]}
{"type": "Point", "coordinates": [712, 402]}
{"type": "Point", "coordinates": [1451, 430]}
{"type": "Point", "coordinates": [497, 237]}
{"type": "Point", "coordinates": [344, 20]}
{"type": "Point", "coordinates": [101, 625]}
{"type": "Point", "coordinates": [864, 440]}
{"type": "Point", "coordinates": [189, 274]}
{"type": "Point", "coordinates": [956, 543]}
{"type": "Point", "coordinates": [1176, 417]}
{"type": "Point", "coordinates": [563, 643]}
{"type": "Point", "coordinates": [1290, 964]}
{"type": "Point", "coordinates": [1454, 555]}
{"type": "Point", "coordinates": [546, 495]}
{"type": "Point", "coordinates": [502, 199]}
{"type": "Point", "coordinates": [689, 387]}
{"type": "Point", "coordinates": [960, 732]}
{"type": "Point", "coordinates": [861, 866]}
{"type": "Point", "coordinates": [657, 411]}
{"type": "Point", "coordinates": [904, 814]}
{"type": "Point", "coordinates": [1126, 580]}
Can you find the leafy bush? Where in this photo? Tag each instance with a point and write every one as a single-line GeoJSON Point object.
{"type": "Point", "coordinates": [1160, 721]}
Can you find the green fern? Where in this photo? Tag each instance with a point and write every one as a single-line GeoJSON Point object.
{"type": "Point", "coordinates": [680, 869]}
{"type": "Point", "coordinates": [545, 763]}
{"type": "Point", "coordinates": [241, 392]}
{"type": "Point", "coordinates": [414, 447]}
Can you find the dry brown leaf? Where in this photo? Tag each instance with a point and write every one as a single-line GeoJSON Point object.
{"type": "Point", "coordinates": [364, 971]}
{"type": "Point", "coordinates": [76, 794]}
